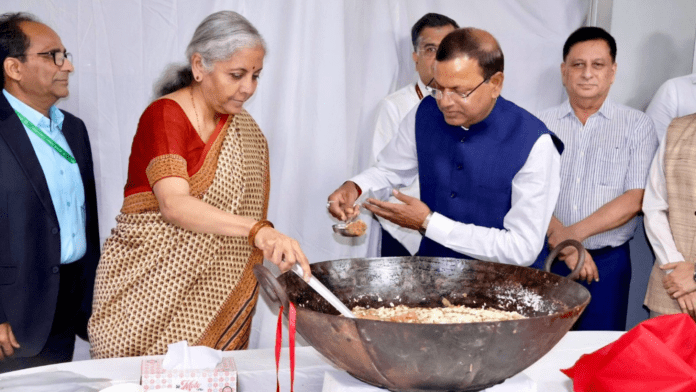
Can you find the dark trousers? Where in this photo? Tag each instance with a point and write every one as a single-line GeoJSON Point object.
{"type": "Point", "coordinates": [608, 308]}
{"type": "Point", "coordinates": [391, 247]}
{"type": "Point", "coordinates": [61, 341]}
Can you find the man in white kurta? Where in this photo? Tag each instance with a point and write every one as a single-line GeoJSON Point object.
{"type": "Point", "coordinates": [426, 35]}
{"type": "Point", "coordinates": [675, 98]}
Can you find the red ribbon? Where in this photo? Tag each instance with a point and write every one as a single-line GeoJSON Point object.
{"type": "Point", "coordinates": [279, 340]}
{"type": "Point", "coordinates": [292, 322]}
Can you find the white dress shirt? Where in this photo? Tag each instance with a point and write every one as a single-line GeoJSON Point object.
{"type": "Point", "coordinates": [392, 110]}
{"type": "Point", "coordinates": [603, 159]}
{"type": "Point", "coordinates": [675, 98]}
{"type": "Point", "coordinates": [535, 189]}
{"type": "Point", "coordinates": [656, 210]}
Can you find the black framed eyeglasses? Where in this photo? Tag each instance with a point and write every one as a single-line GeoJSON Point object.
{"type": "Point", "coordinates": [439, 94]}
{"type": "Point", "coordinates": [58, 56]}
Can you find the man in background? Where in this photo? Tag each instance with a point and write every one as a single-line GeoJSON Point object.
{"type": "Point", "coordinates": [604, 169]}
{"type": "Point", "coordinates": [49, 237]}
{"type": "Point", "coordinates": [675, 98]}
{"type": "Point", "coordinates": [669, 206]}
{"type": "Point", "coordinates": [426, 35]}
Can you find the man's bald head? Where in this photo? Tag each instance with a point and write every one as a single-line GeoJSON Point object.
{"type": "Point", "coordinates": [475, 44]}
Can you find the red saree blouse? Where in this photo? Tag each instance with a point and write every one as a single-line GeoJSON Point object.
{"type": "Point", "coordinates": [165, 145]}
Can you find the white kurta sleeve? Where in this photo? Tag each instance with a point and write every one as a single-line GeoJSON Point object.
{"type": "Point", "coordinates": [397, 163]}
{"type": "Point", "coordinates": [386, 123]}
{"type": "Point", "coordinates": [663, 108]}
{"type": "Point", "coordinates": [656, 210]}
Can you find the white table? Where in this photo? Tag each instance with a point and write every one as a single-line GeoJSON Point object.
{"type": "Point", "coordinates": [256, 368]}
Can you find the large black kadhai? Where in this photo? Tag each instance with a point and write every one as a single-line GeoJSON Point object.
{"type": "Point", "coordinates": [432, 357]}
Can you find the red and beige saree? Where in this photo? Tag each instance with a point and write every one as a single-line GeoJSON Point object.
{"type": "Point", "coordinates": [158, 283]}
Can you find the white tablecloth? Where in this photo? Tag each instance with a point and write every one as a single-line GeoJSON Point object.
{"type": "Point", "coordinates": [256, 369]}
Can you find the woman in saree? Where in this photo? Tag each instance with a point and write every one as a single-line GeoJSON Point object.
{"type": "Point", "coordinates": [178, 265]}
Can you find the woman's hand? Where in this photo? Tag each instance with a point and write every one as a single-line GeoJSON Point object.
{"type": "Point", "coordinates": [281, 250]}
{"type": "Point", "coordinates": [178, 207]}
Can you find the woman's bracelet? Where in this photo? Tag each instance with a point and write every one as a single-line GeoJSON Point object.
{"type": "Point", "coordinates": [255, 229]}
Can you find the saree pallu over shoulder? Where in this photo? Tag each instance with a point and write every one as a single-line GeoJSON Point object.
{"type": "Point", "coordinates": [158, 283]}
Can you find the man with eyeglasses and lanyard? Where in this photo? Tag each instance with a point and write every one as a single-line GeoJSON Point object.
{"type": "Point", "coordinates": [426, 35]}
{"type": "Point", "coordinates": [488, 169]}
{"type": "Point", "coordinates": [49, 237]}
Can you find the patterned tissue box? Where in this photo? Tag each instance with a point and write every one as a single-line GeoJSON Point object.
{"type": "Point", "coordinates": [223, 378]}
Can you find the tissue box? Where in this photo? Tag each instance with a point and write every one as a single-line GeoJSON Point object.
{"type": "Point", "coordinates": [223, 378]}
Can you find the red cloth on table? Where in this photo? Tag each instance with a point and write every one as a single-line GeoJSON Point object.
{"type": "Point", "coordinates": [656, 355]}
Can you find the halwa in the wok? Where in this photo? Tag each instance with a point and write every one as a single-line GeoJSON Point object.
{"type": "Point", "coordinates": [449, 314]}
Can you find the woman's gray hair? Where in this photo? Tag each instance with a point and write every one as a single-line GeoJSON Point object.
{"type": "Point", "coordinates": [217, 38]}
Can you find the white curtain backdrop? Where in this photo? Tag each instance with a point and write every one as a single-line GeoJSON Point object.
{"type": "Point", "coordinates": [328, 65]}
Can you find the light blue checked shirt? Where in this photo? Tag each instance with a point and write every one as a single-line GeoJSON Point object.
{"type": "Point", "coordinates": [603, 159]}
{"type": "Point", "coordinates": [63, 178]}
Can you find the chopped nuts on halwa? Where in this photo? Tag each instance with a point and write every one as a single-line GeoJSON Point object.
{"type": "Point", "coordinates": [448, 315]}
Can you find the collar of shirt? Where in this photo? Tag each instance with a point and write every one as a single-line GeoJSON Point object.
{"type": "Point", "coordinates": [607, 109]}
{"type": "Point", "coordinates": [49, 126]}
{"type": "Point", "coordinates": [424, 89]}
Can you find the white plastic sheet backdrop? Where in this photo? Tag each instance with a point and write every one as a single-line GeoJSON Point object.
{"type": "Point", "coordinates": [328, 65]}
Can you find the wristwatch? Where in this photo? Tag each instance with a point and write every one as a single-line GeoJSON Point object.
{"type": "Point", "coordinates": [424, 226]}
{"type": "Point", "coordinates": [694, 274]}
